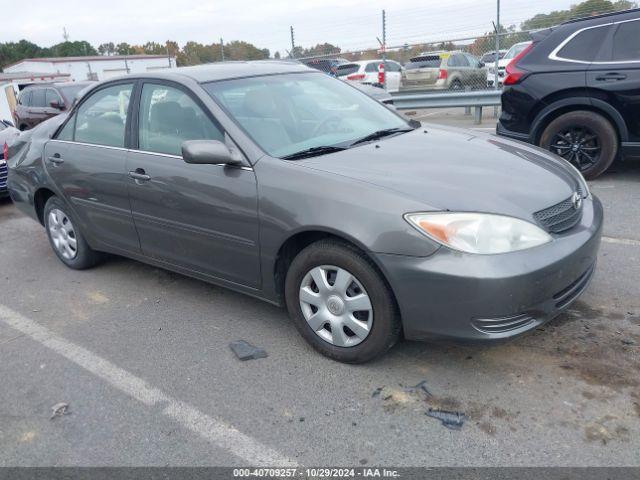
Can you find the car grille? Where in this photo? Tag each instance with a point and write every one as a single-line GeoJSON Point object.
{"type": "Point", "coordinates": [564, 297]}
{"type": "Point", "coordinates": [559, 217]}
{"type": "Point", "coordinates": [3, 174]}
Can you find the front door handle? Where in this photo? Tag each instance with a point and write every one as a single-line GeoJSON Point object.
{"type": "Point", "coordinates": [139, 175]}
{"type": "Point", "coordinates": [56, 159]}
{"type": "Point", "coordinates": [611, 76]}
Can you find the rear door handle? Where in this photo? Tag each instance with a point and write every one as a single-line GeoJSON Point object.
{"type": "Point", "coordinates": [56, 159]}
{"type": "Point", "coordinates": [139, 175]}
{"type": "Point", "coordinates": [611, 76]}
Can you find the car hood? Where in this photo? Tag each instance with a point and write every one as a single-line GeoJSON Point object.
{"type": "Point", "coordinates": [458, 170]}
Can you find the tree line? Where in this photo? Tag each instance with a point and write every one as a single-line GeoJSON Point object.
{"type": "Point", "coordinates": [194, 53]}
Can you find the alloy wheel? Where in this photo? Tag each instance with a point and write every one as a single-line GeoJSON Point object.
{"type": "Point", "coordinates": [62, 234]}
{"type": "Point", "coordinates": [336, 306]}
{"type": "Point", "coordinates": [578, 145]}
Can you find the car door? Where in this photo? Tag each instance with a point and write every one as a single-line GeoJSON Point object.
{"type": "Point", "coordinates": [200, 217]}
{"type": "Point", "coordinates": [617, 72]}
{"type": "Point", "coordinates": [87, 163]}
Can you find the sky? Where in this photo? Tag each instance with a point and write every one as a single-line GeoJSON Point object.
{"type": "Point", "coordinates": [350, 24]}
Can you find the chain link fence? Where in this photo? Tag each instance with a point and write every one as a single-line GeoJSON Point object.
{"type": "Point", "coordinates": [450, 64]}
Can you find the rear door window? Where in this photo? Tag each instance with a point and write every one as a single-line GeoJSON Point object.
{"type": "Point", "coordinates": [585, 46]}
{"type": "Point", "coordinates": [371, 67]}
{"type": "Point", "coordinates": [626, 42]}
{"type": "Point", "coordinates": [38, 98]}
{"type": "Point", "coordinates": [102, 117]}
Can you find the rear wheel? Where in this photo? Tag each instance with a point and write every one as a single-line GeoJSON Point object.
{"type": "Point", "coordinates": [456, 85]}
{"type": "Point", "coordinates": [585, 139]}
{"type": "Point", "coordinates": [340, 303]}
{"type": "Point", "coordinates": [65, 238]}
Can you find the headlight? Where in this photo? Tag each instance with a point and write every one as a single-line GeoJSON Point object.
{"type": "Point", "coordinates": [480, 233]}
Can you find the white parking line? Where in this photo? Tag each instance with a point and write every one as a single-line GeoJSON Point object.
{"type": "Point", "coordinates": [213, 430]}
{"type": "Point", "coordinates": [622, 241]}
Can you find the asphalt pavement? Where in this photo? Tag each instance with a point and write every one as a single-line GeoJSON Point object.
{"type": "Point", "coordinates": [141, 357]}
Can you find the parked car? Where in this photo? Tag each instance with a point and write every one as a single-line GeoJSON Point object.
{"type": "Point", "coordinates": [574, 91]}
{"type": "Point", "coordinates": [291, 186]}
{"type": "Point", "coordinates": [326, 65]}
{"type": "Point", "coordinates": [8, 135]}
{"type": "Point", "coordinates": [37, 103]}
{"type": "Point", "coordinates": [443, 71]}
{"type": "Point", "coordinates": [503, 62]}
{"type": "Point", "coordinates": [490, 57]}
{"type": "Point", "coordinates": [368, 72]}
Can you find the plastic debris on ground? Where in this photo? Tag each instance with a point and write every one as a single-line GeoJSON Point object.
{"type": "Point", "coordinates": [59, 409]}
{"type": "Point", "coordinates": [451, 420]}
{"type": "Point", "coordinates": [246, 351]}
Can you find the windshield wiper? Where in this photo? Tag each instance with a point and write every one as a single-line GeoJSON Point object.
{"type": "Point", "coordinates": [380, 134]}
{"type": "Point", "coordinates": [313, 152]}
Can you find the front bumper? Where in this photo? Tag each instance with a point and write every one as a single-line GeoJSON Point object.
{"type": "Point", "coordinates": [489, 297]}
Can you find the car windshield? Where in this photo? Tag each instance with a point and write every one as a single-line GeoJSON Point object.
{"type": "Point", "coordinates": [514, 51]}
{"type": "Point", "coordinates": [290, 113]}
{"type": "Point", "coordinates": [426, 61]}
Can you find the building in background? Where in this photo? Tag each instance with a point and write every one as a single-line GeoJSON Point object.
{"type": "Point", "coordinates": [93, 67]}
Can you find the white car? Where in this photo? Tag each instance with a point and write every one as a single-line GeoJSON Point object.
{"type": "Point", "coordinates": [367, 72]}
{"type": "Point", "coordinates": [503, 62]}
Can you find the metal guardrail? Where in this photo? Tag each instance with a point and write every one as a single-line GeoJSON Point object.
{"type": "Point", "coordinates": [476, 99]}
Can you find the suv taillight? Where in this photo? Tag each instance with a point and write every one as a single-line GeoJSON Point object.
{"type": "Point", "coordinates": [442, 74]}
{"type": "Point", "coordinates": [356, 76]}
{"type": "Point", "coordinates": [512, 73]}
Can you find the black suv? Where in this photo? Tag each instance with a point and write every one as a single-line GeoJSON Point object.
{"type": "Point", "coordinates": [576, 91]}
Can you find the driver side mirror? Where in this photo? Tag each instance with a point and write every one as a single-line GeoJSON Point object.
{"type": "Point", "coordinates": [208, 152]}
{"type": "Point", "coordinates": [56, 104]}
{"type": "Point", "coordinates": [480, 64]}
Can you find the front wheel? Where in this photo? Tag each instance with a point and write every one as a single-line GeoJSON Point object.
{"type": "Point", "coordinates": [65, 238]}
{"type": "Point", "coordinates": [585, 139]}
{"type": "Point", "coordinates": [340, 303]}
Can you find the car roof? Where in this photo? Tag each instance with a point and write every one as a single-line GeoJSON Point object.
{"type": "Point", "coordinates": [632, 13]}
{"type": "Point", "coordinates": [212, 72]}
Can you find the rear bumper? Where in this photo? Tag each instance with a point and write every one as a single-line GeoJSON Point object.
{"type": "Point", "coordinates": [502, 131]}
{"type": "Point", "coordinates": [492, 297]}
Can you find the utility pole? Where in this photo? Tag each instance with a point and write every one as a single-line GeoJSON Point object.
{"type": "Point", "coordinates": [497, 56]}
{"type": "Point", "coordinates": [293, 43]}
{"type": "Point", "coordinates": [168, 55]}
{"type": "Point", "coordinates": [65, 35]}
{"type": "Point", "coordinates": [222, 49]}
{"type": "Point", "coordinates": [384, 49]}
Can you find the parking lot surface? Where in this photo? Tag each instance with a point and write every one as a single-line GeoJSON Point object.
{"type": "Point", "coordinates": [141, 357]}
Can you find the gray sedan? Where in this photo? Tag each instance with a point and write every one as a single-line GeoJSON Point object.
{"type": "Point", "coordinates": [291, 186]}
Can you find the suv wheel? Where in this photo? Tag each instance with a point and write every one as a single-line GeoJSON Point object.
{"type": "Point", "coordinates": [456, 85]}
{"type": "Point", "coordinates": [65, 238]}
{"type": "Point", "coordinates": [340, 303]}
{"type": "Point", "coordinates": [585, 139]}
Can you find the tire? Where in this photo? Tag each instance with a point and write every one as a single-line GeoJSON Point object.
{"type": "Point", "coordinates": [456, 85]}
{"type": "Point", "coordinates": [592, 124]}
{"type": "Point", "coordinates": [384, 322]}
{"type": "Point", "coordinates": [79, 256]}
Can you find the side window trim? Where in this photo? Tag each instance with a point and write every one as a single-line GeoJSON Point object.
{"type": "Point", "coordinates": [73, 114]}
{"type": "Point", "coordinates": [135, 118]}
{"type": "Point", "coordinates": [554, 54]}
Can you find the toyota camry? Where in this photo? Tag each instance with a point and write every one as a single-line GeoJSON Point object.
{"type": "Point", "coordinates": [283, 183]}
